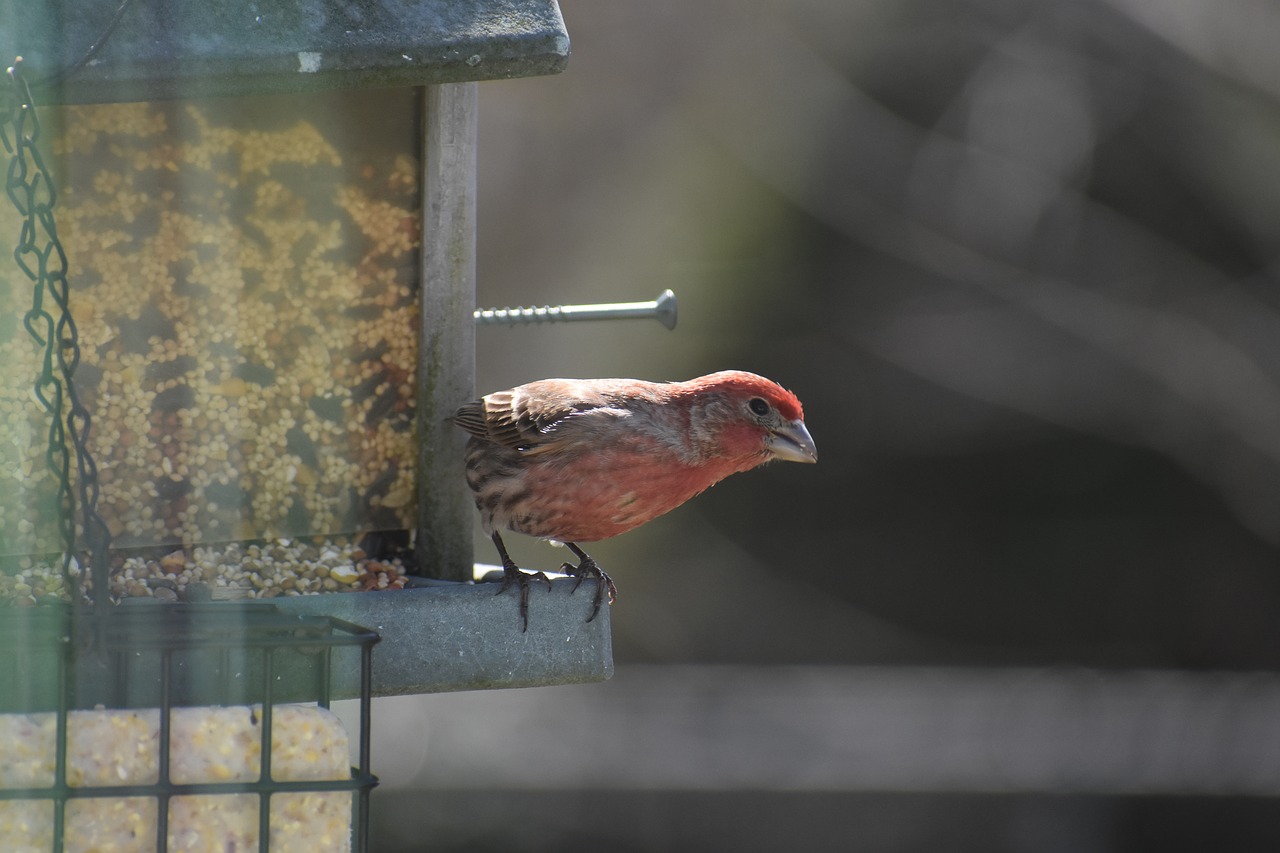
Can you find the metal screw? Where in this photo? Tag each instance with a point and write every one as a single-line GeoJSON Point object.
{"type": "Point", "coordinates": [662, 309]}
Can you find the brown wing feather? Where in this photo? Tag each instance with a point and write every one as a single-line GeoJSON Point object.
{"type": "Point", "coordinates": [471, 418]}
{"type": "Point", "coordinates": [523, 417]}
{"type": "Point", "coordinates": [507, 422]}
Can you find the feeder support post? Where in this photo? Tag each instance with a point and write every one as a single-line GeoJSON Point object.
{"type": "Point", "coordinates": [446, 355]}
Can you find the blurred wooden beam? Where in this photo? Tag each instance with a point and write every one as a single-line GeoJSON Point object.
{"type": "Point", "coordinates": [857, 729]}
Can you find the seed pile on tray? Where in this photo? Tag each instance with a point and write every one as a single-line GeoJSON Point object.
{"type": "Point", "coordinates": [206, 745]}
{"type": "Point", "coordinates": [226, 572]}
{"type": "Point", "coordinates": [244, 286]}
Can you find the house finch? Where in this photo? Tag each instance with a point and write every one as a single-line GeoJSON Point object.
{"type": "Point", "coordinates": [580, 460]}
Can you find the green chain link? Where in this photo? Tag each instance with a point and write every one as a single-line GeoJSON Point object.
{"type": "Point", "coordinates": [41, 257]}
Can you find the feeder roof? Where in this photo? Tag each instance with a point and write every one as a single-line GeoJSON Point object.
{"type": "Point", "coordinates": [193, 48]}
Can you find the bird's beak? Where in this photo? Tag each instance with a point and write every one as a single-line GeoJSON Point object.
{"type": "Point", "coordinates": [792, 443]}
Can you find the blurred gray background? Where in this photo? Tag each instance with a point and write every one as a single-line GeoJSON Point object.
{"type": "Point", "coordinates": [1017, 259]}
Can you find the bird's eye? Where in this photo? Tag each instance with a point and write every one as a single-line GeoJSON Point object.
{"type": "Point", "coordinates": [758, 406]}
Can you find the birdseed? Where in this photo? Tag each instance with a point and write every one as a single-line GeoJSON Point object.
{"type": "Point", "coordinates": [233, 571]}
{"type": "Point", "coordinates": [244, 286]}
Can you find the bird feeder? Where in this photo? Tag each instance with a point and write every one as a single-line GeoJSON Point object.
{"type": "Point", "coordinates": [262, 217]}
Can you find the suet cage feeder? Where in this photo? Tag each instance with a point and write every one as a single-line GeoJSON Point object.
{"type": "Point", "coordinates": [268, 215]}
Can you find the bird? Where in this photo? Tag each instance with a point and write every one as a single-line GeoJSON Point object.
{"type": "Point", "coordinates": [581, 460]}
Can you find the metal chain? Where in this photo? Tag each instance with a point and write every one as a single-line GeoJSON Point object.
{"type": "Point", "coordinates": [41, 257]}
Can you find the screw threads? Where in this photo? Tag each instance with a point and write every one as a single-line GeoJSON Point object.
{"type": "Point", "coordinates": [662, 309]}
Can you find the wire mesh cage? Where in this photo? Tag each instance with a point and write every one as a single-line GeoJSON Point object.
{"type": "Point", "coordinates": [112, 742]}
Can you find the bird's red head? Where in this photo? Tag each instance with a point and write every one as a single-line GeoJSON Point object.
{"type": "Point", "coordinates": [753, 417]}
{"type": "Point", "coordinates": [739, 383]}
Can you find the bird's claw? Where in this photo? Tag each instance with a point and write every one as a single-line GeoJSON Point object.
{"type": "Point", "coordinates": [588, 568]}
{"type": "Point", "coordinates": [514, 575]}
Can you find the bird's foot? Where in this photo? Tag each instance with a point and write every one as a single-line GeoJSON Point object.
{"type": "Point", "coordinates": [588, 568]}
{"type": "Point", "coordinates": [513, 575]}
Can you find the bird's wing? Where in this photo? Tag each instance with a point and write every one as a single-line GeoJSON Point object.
{"type": "Point", "coordinates": [502, 419]}
{"type": "Point", "coordinates": [532, 417]}
{"type": "Point", "coordinates": [471, 418]}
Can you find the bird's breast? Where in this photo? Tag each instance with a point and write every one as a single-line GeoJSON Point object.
{"type": "Point", "coordinates": [599, 496]}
